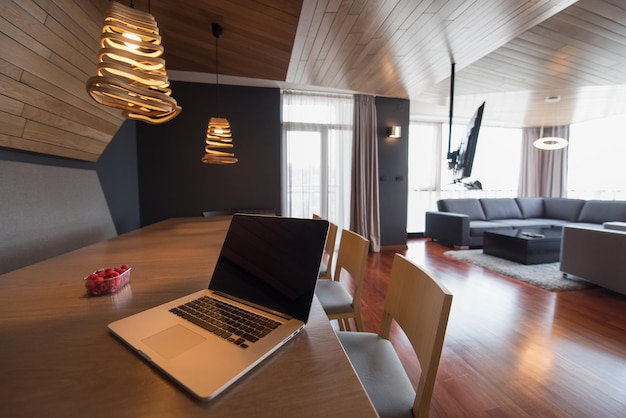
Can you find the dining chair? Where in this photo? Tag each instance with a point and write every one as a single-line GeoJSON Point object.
{"type": "Point", "coordinates": [329, 250]}
{"type": "Point", "coordinates": [338, 301]}
{"type": "Point", "coordinates": [420, 306]}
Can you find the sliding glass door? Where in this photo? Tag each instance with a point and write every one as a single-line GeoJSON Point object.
{"type": "Point", "coordinates": [317, 154]}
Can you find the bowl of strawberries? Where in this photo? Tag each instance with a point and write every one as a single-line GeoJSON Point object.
{"type": "Point", "coordinates": [107, 280]}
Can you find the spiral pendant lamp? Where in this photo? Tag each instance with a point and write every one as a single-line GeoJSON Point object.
{"type": "Point", "coordinates": [219, 138]}
{"type": "Point", "coordinates": [131, 74]}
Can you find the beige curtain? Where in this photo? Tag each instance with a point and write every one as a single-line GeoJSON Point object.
{"type": "Point", "coordinates": [543, 172]}
{"type": "Point", "coordinates": [364, 211]}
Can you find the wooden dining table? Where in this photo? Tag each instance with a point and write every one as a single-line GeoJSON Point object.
{"type": "Point", "coordinates": [57, 358]}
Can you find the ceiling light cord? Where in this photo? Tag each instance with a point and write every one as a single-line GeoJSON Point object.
{"type": "Point", "coordinates": [217, 77]}
{"type": "Point", "coordinates": [217, 32]}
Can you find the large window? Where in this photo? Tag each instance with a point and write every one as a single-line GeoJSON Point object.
{"type": "Point", "coordinates": [496, 166]}
{"type": "Point", "coordinates": [317, 155]}
{"type": "Point", "coordinates": [595, 159]}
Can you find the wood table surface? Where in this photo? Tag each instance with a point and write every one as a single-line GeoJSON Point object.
{"type": "Point", "coordinates": [57, 358]}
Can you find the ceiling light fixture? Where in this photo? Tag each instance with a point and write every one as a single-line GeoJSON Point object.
{"type": "Point", "coordinates": [218, 134]}
{"type": "Point", "coordinates": [550, 143]}
{"type": "Point", "coordinates": [131, 74]}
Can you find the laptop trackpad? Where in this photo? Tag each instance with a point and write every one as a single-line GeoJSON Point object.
{"type": "Point", "coordinates": [173, 341]}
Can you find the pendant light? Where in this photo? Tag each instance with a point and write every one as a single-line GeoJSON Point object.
{"type": "Point", "coordinates": [550, 143]}
{"type": "Point", "coordinates": [218, 135]}
{"type": "Point", "coordinates": [131, 73]}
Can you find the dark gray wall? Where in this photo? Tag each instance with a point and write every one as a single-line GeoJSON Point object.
{"type": "Point", "coordinates": [392, 170]}
{"type": "Point", "coordinates": [152, 172]}
{"type": "Point", "coordinates": [117, 172]}
{"type": "Point", "coordinates": [52, 205]}
{"type": "Point", "coordinates": [173, 180]}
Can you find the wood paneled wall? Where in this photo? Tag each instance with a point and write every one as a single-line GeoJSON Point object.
{"type": "Point", "coordinates": [49, 50]}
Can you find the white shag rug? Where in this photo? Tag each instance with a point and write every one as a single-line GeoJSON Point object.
{"type": "Point", "coordinates": [547, 276]}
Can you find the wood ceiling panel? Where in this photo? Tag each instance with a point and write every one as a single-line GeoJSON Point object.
{"type": "Point", "coordinates": [569, 54]}
{"type": "Point", "coordinates": [511, 54]}
{"type": "Point", "coordinates": [257, 40]}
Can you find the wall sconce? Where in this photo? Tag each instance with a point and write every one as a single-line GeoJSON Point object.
{"type": "Point", "coordinates": [131, 74]}
{"type": "Point", "coordinates": [394, 131]}
{"type": "Point", "coordinates": [218, 134]}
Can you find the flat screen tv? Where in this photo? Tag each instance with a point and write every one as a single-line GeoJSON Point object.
{"type": "Point", "coordinates": [461, 161]}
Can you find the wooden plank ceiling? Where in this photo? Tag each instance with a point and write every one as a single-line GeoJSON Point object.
{"type": "Point", "coordinates": [513, 54]}
{"type": "Point", "coordinates": [510, 53]}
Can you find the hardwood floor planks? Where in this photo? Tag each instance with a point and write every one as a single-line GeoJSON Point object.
{"type": "Point", "coordinates": [512, 349]}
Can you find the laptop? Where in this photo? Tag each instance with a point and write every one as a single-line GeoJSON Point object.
{"type": "Point", "coordinates": [266, 274]}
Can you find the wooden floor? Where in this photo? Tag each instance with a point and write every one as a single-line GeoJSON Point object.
{"type": "Point", "coordinates": [514, 350]}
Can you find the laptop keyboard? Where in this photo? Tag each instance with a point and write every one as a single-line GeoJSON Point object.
{"type": "Point", "coordinates": [227, 321]}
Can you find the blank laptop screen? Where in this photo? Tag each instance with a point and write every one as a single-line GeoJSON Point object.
{"type": "Point", "coordinates": [272, 262]}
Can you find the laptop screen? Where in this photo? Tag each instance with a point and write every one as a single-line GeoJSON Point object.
{"type": "Point", "coordinates": [271, 262]}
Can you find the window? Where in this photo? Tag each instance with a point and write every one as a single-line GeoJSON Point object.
{"type": "Point", "coordinates": [497, 161]}
{"type": "Point", "coordinates": [496, 166]}
{"type": "Point", "coordinates": [317, 156]}
{"type": "Point", "coordinates": [595, 156]}
{"type": "Point", "coordinates": [424, 172]}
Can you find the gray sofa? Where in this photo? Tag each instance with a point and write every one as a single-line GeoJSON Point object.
{"type": "Point", "coordinates": [595, 254]}
{"type": "Point", "coordinates": [460, 223]}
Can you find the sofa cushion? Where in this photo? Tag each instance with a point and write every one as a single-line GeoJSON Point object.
{"type": "Point", "coordinates": [616, 226]}
{"type": "Point", "coordinates": [562, 208]}
{"type": "Point", "coordinates": [500, 208]}
{"type": "Point", "coordinates": [526, 223]}
{"type": "Point", "coordinates": [470, 207]}
{"type": "Point", "coordinates": [531, 207]}
{"type": "Point", "coordinates": [553, 223]}
{"type": "Point", "coordinates": [478, 227]}
{"type": "Point", "coordinates": [600, 211]}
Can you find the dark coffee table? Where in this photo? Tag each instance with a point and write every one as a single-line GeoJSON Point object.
{"type": "Point", "coordinates": [525, 245]}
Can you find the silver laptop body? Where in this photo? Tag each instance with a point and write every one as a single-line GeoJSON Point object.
{"type": "Point", "coordinates": [268, 266]}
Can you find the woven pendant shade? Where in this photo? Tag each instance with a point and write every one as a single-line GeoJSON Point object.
{"type": "Point", "coordinates": [131, 74]}
{"type": "Point", "coordinates": [218, 140]}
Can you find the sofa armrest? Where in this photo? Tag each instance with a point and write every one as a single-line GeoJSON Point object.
{"type": "Point", "coordinates": [448, 228]}
{"type": "Point", "coordinates": [594, 254]}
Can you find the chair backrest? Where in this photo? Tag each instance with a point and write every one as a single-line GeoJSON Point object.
{"type": "Point", "coordinates": [352, 257]}
{"type": "Point", "coordinates": [420, 306]}
{"type": "Point", "coordinates": [329, 248]}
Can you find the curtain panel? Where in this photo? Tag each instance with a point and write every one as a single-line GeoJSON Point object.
{"type": "Point", "coordinates": [543, 172]}
{"type": "Point", "coordinates": [364, 208]}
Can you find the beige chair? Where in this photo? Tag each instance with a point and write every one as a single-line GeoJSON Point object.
{"type": "Point", "coordinates": [329, 250]}
{"type": "Point", "coordinates": [338, 302]}
{"type": "Point", "coordinates": [420, 306]}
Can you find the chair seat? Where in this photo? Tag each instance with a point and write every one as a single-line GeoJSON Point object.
{"type": "Point", "coordinates": [323, 272]}
{"type": "Point", "coordinates": [334, 297]}
{"type": "Point", "coordinates": [381, 372]}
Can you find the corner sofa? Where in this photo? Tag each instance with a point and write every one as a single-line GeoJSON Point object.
{"type": "Point", "coordinates": [460, 223]}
